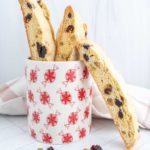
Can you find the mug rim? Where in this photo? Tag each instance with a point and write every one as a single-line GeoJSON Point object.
{"type": "Point", "coordinates": [51, 62]}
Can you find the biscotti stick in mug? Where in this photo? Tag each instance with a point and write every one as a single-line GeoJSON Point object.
{"type": "Point", "coordinates": [112, 90]}
{"type": "Point", "coordinates": [39, 30]}
{"type": "Point", "coordinates": [46, 13]}
{"type": "Point", "coordinates": [70, 31]}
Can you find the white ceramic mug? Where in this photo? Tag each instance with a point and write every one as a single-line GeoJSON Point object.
{"type": "Point", "coordinates": [59, 100]}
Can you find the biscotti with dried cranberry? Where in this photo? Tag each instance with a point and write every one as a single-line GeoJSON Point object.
{"type": "Point", "coordinates": [39, 33]}
{"type": "Point", "coordinates": [46, 13]}
{"type": "Point", "coordinates": [112, 90]}
{"type": "Point", "coordinates": [71, 29]}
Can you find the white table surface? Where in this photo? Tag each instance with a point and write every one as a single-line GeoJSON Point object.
{"type": "Point", "coordinates": [14, 136]}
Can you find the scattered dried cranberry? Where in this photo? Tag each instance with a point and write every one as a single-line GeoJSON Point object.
{"type": "Point", "coordinates": [108, 89]}
{"type": "Point", "coordinates": [50, 148]}
{"type": "Point", "coordinates": [86, 57]}
{"type": "Point", "coordinates": [86, 46]}
{"type": "Point", "coordinates": [41, 50]}
{"type": "Point", "coordinates": [70, 28]}
{"type": "Point", "coordinates": [118, 102]}
{"type": "Point", "coordinates": [96, 147]}
{"type": "Point", "coordinates": [29, 5]}
{"type": "Point", "coordinates": [120, 114]}
{"type": "Point", "coordinates": [27, 18]}
{"type": "Point", "coordinates": [69, 15]}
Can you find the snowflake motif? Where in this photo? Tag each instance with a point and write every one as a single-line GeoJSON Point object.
{"type": "Point", "coordinates": [86, 112]}
{"type": "Point", "coordinates": [82, 133]}
{"type": "Point", "coordinates": [47, 138]}
{"type": "Point", "coordinates": [85, 73]}
{"type": "Point", "coordinates": [33, 76]}
{"type": "Point", "coordinates": [71, 75]}
{"type": "Point", "coordinates": [67, 138]}
{"type": "Point", "coordinates": [52, 120]}
{"type": "Point", "coordinates": [44, 98]}
{"type": "Point", "coordinates": [50, 76]}
{"type": "Point", "coordinates": [73, 118]}
{"type": "Point", "coordinates": [30, 96]}
{"type": "Point", "coordinates": [81, 94]}
{"type": "Point", "coordinates": [36, 117]}
{"type": "Point", "coordinates": [33, 134]}
{"type": "Point", "coordinates": [66, 97]}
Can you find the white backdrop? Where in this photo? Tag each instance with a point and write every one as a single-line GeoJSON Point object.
{"type": "Point", "coordinates": [121, 27]}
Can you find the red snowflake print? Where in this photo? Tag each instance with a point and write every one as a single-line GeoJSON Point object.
{"type": "Point", "coordinates": [85, 73]}
{"type": "Point", "coordinates": [33, 76]}
{"type": "Point", "coordinates": [81, 94]}
{"type": "Point", "coordinates": [30, 96]}
{"type": "Point", "coordinates": [36, 117]}
{"type": "Point", "coordinates": [33, 134]}
{"type": "Point", "coordinates": [73, 118]}
{"type": "Point", "coordinates": [86, 112]}
{"type": "Point", "coordinates": [71, 75]}
{"type": "Point", "coordinates": [82, 133]}
{"type": "Point", "coordinates": [44, 98]}
{"type": "Point", "coordinates": [66, 97]}
{"type": "Point", "coordinates": [52, 119]}
{"type": "Point", "coordinates": [50, 76]}
{"type": "Point", "coordinates": [67, 138]}
{"type": "Point", "coordinates": [47, 138]}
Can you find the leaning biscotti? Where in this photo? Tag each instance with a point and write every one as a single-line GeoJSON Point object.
{"type": "Point", "coordinates": [71, 30]}
{"type": "Point", "coordinates": [39, 32]}
{"type": "Point", "coordinates": [112, 90]}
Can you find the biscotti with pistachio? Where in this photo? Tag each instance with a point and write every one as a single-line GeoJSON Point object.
{"type": "Point", "coordinates": [71, 29]}
{"type": "Point", "coordinates": [112, 89]}
{"type": "Point", "coordinates": [39, 30]}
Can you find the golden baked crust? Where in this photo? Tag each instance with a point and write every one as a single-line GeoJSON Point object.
{"type": "Point", "coordinates": [39, 30]}
{"type": "Point", "coordinates": [71, 30]}
{"type": "Point", "coordinates": [112, 90]}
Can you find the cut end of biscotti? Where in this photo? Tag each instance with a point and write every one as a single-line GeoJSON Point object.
{"type": "Point", "coordinates": [111, 89]}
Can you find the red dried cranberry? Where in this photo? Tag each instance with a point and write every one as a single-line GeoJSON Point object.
{"type": "Point", "coordinates": [41, 50]}
{"type": "Point", "coordinates": [29, 5]}
{"type": "Point", "coordinates": [108, 89]}
{"type": "Point", "coordinates": [96, 147]}
{"type": "Point", "coordinates": [118, 102]}
{"type": "Point", "coordinates": [27, 18]}
{"type": "Point", "coordinates": [120, 114]}
{"type": "Point", "coordinates": [86, 57]}
{"type": "Point", "coordinates": [70, 28]}
{"type": "Point", "coordinates": [86, 46]}
{"type": "Point", "coordinates": [50, 148]}
{"type": "Point", "coordinates": [69, 15]}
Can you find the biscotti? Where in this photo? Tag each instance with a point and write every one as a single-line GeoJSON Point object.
{"type": "Point", "coordinates": [71, 30]}
{"type": "Point", "coordinates": [112, 89]}
{"type": "Point", "coordinates": [47, 15]}
{"type": "Point", "coordinates": [39, 31]}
